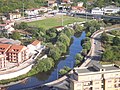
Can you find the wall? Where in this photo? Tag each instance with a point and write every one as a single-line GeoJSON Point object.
{"type": "Point", "coordinates": [16, 73]}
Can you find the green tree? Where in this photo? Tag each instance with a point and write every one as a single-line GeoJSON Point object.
{"type": "Point", "coordinates": [23, 25]}
{"type": "Point", "coordinates": [116, 41]}
{"type": "Point", "coordinates": [79, 57]}
{"type": "Point", "coordinates": [104, 38]}
{"type": "Point", "coordinates": [108, 55]}
{"type": "Point", "coordinates": [64, 39]}
{"type": "Point", "coordinates": [45, 64]}
{"type": "Point", "coordinates": [55, 53]}
{"type": "Point", "coordinates": [62, 47]}
{"type": "Point", "coordinates": [16, 36]}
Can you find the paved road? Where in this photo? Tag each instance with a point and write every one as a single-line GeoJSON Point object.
{"type": "Point", "coordinates": [97, 50]}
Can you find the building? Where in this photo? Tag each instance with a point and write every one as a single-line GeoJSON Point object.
{"type": "Point", "coordinates": [80, 4]}
{"type": "Point", "coordinates": [97, 10]}
{"type": "Point", "coordinates": [12, 53]}
{"type": "Point", "coordinates": [111, 9]}
{"type": "Point", "coordinates": [77, 9]}
{"type": "Point", "coordinates": [96, 77]}
{"type": "Point", "coordinates": [51, 3]}
{"type": "Point", "coordinates": [17, 53]}
{"type": "Point", "coordinates": [34, 47]}
{"type": "Point", "coordinates": [3, 54]}
{"type": "Point", "coordinates": [2, 61]}
{"type": "Point", "coordinates": [65, 1]}
{"type": "Point", "coordinates": [9, 41]}
{"type": "Point", "coordinates": [13, 16]}
{"type": "Point", "coordinates": [7, 26]}
{"type": "Point", "coordinates": [32, 12]}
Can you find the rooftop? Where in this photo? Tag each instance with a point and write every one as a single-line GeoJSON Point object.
{"type": "Point", "coordinates": [16, 48]}
{"type": "Point", "coordinates": [4, 47]}
{"type": "Point", "coordinates": [96, 68]}
{"type": "Point", "coordinates": [9, 41]}
{"type": "Point", "coordinates": [35, 42]}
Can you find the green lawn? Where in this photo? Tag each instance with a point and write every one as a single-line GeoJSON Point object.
{"type": "Point", "coordinates": [55, 21]}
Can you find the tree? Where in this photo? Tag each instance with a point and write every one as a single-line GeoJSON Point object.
{"type": "Point", "coordinates": [84, 52]}
{"type": "Point", "coordinates": [23, 25]}
{"type": "Point", "coordinates": [45, 64]}
{"type": "Point", "coordinates": [104, 38]}
{"type": "Point", "coordinates": [86, 45]}
{"type": "Point", "coordinates": [62, 47]}
{"type": "Point", "coordinates": [16, 36]}
{"type": "Point", "coordinates": [64, 39]}
{"type": "Point", "coordinates": [55, 53]}
{"type": "Point", "coordinates": [79, 57]}
{"type": "Point", "coordinates": [92, 26]}
{"type": "Point", "coordinates": [78, 28]}
{"type": "Point", "coordinates": [116, 41]}
{"type": "Point", "coordinates": [108, 55]}
{"type": "Point", "coordinates": [88, 34]}
{"type": "Point", "coordinates": [68, 32]}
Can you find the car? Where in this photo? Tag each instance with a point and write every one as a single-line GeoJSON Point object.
{"type": "Point", "coordinates": [95, 42]}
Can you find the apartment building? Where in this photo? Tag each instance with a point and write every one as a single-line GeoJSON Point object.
{"type": "Point", "coordinates": [2, 61]}
{"type": "Point", "coordinates": [96, 77]}
{"type": "Point", "coordinates": [12, 53]}
{"type": "Point", "coordinates": [17, 53]}
{"type": "Point", "coordinates": [3, 54]}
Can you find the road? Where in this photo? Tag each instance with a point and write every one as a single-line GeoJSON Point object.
{"type": "Point", "coordinates": [97, 48]}
{"type": "Point", "coordinates": [97, 51]}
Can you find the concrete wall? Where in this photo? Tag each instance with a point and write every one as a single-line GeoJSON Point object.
{"type": "Point", "coordinates": [16, 73]}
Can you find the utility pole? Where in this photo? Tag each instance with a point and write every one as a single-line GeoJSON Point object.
{"type": "Point", "coordinates": [86, 11]}
{"type": "Point", "coordinates": [23, 8]}
{"type": "Point", "coordinates": [62, 16]}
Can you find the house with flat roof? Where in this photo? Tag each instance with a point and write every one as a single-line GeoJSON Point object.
{"type": "Point", "coordinates": [111, 9]}
{"type": "Point", "coordinates": [97, 10]}
{"type": "Point", "coordinates": [96, 77]}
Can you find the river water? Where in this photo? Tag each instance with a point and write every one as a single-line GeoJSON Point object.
{"type": "Point", "coordinates": [42, 78]}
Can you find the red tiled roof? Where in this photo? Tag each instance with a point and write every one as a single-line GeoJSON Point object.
{"type": "Point", "coordinates": [35, 42]}
{"type": "Point", "coordinates": [59, 27]}
{"type": "Point", "coordinates": [16, 48]}
{"type": "Point", "coordinates": [4, 47]}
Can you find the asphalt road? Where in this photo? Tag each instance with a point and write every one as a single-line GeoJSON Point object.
{"type": "Point", "coordinates": [95, 58]}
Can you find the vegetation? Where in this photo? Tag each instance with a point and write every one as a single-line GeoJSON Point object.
{"type": "Point", "coordinates": [65, 70]}
{"type": "Point", "coordinates": [11, 5]}
{"type": "Point", "coordinates": [112, 47]}
{"type": "Point", "coordinates": [78, 59]}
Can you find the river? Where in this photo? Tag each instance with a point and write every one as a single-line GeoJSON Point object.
{"type": "Point", "coordinates": [42, 78]}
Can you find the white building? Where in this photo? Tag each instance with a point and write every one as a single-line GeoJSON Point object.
{"type": "Point", "coordinates": [97, 10]}
{"type": "Point", "coordinates": [7, 26]}
{"type": "Point", "coordinates": [32, 12]}
{"type": "Point", "coordinates": [111, 9]}
{"type": "Point", "coordinates": [80, 4]}
{"type": "Point", "coordinates": [35, 46]}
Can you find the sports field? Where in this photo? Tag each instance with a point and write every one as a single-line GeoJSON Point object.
{"type": "Point", "coordinates": [55, 21]}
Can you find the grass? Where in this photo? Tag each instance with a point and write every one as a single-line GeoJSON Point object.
{"type": "Point", "coordinates": [105, 63]}
{"type": "Point", "coordinates": [55, 21]}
